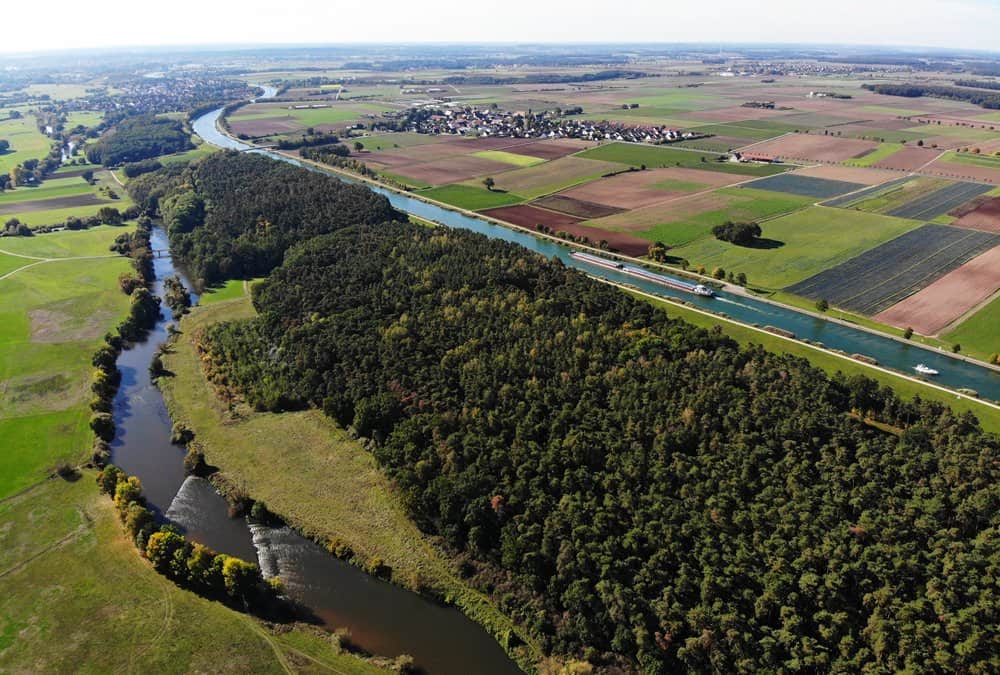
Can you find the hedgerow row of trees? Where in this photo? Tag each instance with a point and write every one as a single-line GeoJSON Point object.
{"type": "Point", "coordinates": [636, 491]}
{"type": "Point", "coordinates": [981, 98]}
{"type": "Point", "coordinates": [233, 215]}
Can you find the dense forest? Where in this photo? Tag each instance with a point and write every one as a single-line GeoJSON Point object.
{"type": "Point", "coordinates": [233, 215]}
{"type": "Point", "coordinates": [637, 491]}
{"type": "Point", "coordinates": [982, 98]}
{"type": "Point", "coordinates": [137, 138]}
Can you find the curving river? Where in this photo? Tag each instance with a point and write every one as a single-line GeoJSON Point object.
{"type": "Point", "coordinates": [383, 619]}
{"type": "Point", "coordinates": [894, 354]}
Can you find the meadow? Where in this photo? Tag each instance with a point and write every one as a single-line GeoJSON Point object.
{"type": "Point", "coordinates": [26, 142]}
{"type": "Point", "coordinates": [74, 593]}
{"type": "Point", "coordinates": [659, 156]}
{"type": "Point", "coordinates": [979, 335]}
{"type": "Point", "coordinates": [471, 197]}
{"type": "Point", "coordinates": [57, 198]}
{"type": "Point", "coordinates": [797, 245]}
{"type": "Point", "coordinates": [53, 317]}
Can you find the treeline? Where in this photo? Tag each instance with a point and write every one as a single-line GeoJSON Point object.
{"type": "Point", "coordinates": [106, 215]}
{"type": "Point", "coordinates": [636, 491]}
{"type": "Point", "coordinates": [137, 138]}
{"type": "Point", "coordinates": [980, 98]}
{"type": "Point", "coordinates": [307, 141]}
{"type": "Point", "coordinates": [233, 215]}
{"type": "Point", "coordinates": [978, 84]}
{"type": "Point", "coordinates": [547, 78]}
{"type": "Point", "coordinates": [191, 565]}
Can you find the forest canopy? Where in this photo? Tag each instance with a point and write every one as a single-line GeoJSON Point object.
{"type": "Point", "coordinates": [634, 490]}
{"type": "Point", "coordinates": [138, 138]}
{"type": "Point", "coordinates": [233, 215]}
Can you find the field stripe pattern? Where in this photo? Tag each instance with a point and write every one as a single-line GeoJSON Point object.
{"type": "Point", "coordinates": [940, 201]}
{"type": "Point", "coordinates": [867, 193]}
{"type": "Point", "coordinates": [884, 275]}
{"type": "Point", "coordinates": [806, 186]}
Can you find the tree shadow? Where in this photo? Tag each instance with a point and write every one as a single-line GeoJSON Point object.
{"type": "Point", "coordinates": [765, 244]}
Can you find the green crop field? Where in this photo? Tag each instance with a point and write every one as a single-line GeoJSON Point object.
{"type": "Point", "coordinates": [753, 132]}
{"type": "Point", "coordinates": [741, 204]}
{"type": "Point", "coordinates": [883, 151]}
{"type": "Point", "coordinates": [49, 189]}
{"type": "Point", "coordinates": [979, 335]}
{"type": "Point", "coordinates": [900, 194]}
{"type": "Point", "coordinates": [26, 142]}
{"type": "Point", "coordinates": [659, 156]}
{"type": "Point", "coordinates": [53, 317]}
{"type": "Point", "coordinates": [509, 157]}
{"type": "Point", "coordinates": [801, 244]}
{"type": "Point", "coordinates": [394, 140]}
{"type": "Point", "coordinates": [86, 118]}
{"type": "Point", "coordinates": [970, 133]}
{"type": "Point", "coordinates": [472, 198]}
{"type": "Point", "coordinates": [971, 159]}
{"type": "Point", "coordinates": [888, 110]}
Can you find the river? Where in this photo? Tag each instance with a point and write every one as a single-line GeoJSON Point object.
{"type": "Point", "coordinates": [894, 354]}
{"type": "Point", "coordinates": [383, 619]}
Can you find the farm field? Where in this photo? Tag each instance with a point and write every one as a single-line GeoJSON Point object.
{"type": "Point", "coordinates": [513, 158]}
{"type": "Point", "coordinates": [882, 276]}
{"type": "Point", "coordinates": [940, 201]}
{"type": "Point", "coordinates": [691, 217]}
{"type": "Point", "coordinates": [984, 215]}
{"type": "Point", "coordinates": [659, 156]}
{"type": "Point", "coordinates": [892, 195]}
{"type": "Point", "coordinates": [882, 152]}
{"type": "Point", "coordinates": [61, 196]}
{"type": "Point", "coordinates": [935, 307]}
{"type": "Point", "coordinates": [26, 142]}
{"type": "Point", "coordinates": [816, 148]}
{"type": "Point", "coordinates": [470, 197]}
{"type": "Point", "coordinates": [797, 246]}
{"type": "Point", "coordinates": [806, 186]}
{"type": "Point", "coordinates": [53, 317]}
{"type": "Point", "coordinates": [978, 334]}
{"type": "Point", "coordinates": [553, 176]}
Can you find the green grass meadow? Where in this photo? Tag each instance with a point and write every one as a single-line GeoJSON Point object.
{"type": "Point", "coordinates": [659, 156]}
{"type": "Point", "coordinates": [979, 335]}
{"type": "Point", "coordinates": [26, 142]}
{"type": "Point", "coordinates": [470, 197]}
{"type": "Point", "coordinates": [811, 240]}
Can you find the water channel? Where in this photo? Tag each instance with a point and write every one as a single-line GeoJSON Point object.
{"type": "Point", "coordinates": [383, 619]}
{"type": "Point", "coordinates": [894, 354]}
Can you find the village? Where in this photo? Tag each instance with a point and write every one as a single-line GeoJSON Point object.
{"type": "Point", "coordinates": [470, 121]}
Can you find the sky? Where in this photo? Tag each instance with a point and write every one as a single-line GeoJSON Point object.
{"type": "Point", "coordinates": [66, 24]}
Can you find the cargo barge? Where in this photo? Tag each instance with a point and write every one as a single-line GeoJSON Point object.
{"type": "Point", "coordinates": [696, 289]}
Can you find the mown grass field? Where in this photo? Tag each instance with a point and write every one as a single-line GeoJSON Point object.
{"type": "Point", "coordinates": [804, 243]}
{"type": "Point", "coordinates": [979, 335]}
{"type": "Point", "coordinates": [67, 244]}
{"type": "Point", "coordinates": [49, 189]}
{"type": "Point", "coordinates": [511, 158]}
{"type": "Point", "coordinates": [654, 156]}
{"type": "Point", "coordinates": [972, 159]}
{"type": "Point", "coordinates": [26, 142]}
{"type": "Point", "coordinates": [312, 473]}
{"type": "Point", "coordinates": [831, 363]}
{"type": "Point", "coordinates": [75, 595]}
{"type": "Point", "coordinates": [393, 140]}
{"type": "Point", "coordinates": [470, 197]}
{"type": "Point", "coordinates": [53, 317]}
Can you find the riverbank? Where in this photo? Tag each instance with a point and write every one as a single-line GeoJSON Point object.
{"type": "Point", "coordinates": [830, 362]}
{"type": "Point", "coordinates": [319, 480]}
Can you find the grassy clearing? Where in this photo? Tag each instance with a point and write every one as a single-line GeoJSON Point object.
{"type": "Point", "coordinates": [231, 290]}
{"type": "Point", "coordinates": [26, 142]}
{"type": "Point", "coordinates": [404, 180]}
{"type": "Point", "coordinates": [187, 156]}
{"type": "Point", "coordinates": [69, 244]}
{"type": "Point", "coordinates": [85, 118]}
{"type": "Point", "coordinates": [989, 417]}
{"type": "Point", "coordinates": [883, 151]}
{"type": "Point", "coordinates": [979, 335]}
{"type": "Point", "coordinates": [659, 156]}
{"type": "Point", "coordinates": [74, 593]}
{"type": "Point", "coordinates": [312, 473]}
{"type": "Point", "coordinates": [472, 198]}
{"type": "Point", "coordinates": [801, 244]}
{"type": "Point", "coordinates": [509, 157]}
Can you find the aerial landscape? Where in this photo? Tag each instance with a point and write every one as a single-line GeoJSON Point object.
{"type": "Point", "coordinates": [635, 348]}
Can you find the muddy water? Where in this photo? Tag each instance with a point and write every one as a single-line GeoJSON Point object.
{"type": "Point", "coordinates": [383, 619]}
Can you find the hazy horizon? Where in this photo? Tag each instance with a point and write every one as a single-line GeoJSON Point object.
{"type": "Point", "coordinates": [927, 24]}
